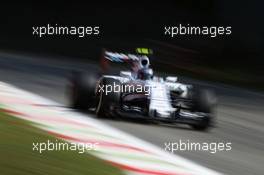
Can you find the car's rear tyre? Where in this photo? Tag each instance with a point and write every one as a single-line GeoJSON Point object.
{"type": "Point", "coordinates": [110, 100]}
{"type": "Point", "coordinates": [82, 90]}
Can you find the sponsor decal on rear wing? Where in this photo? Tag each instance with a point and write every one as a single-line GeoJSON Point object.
{"type": "Point", "coordinates": [120, 57]}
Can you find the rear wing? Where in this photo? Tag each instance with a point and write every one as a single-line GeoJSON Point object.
{"type": "Point", "coordinates": [120, 57]}
{"type": "Point", "coordinates": [109, 57]}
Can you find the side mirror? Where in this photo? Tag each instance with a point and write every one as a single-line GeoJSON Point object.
{"type": "Point", "coordinates": [172, 79]}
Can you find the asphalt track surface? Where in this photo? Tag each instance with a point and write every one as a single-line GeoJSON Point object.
{"type": "Point", "coordinates": [240, 114]}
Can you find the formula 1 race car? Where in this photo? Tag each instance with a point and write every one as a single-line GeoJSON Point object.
{"type": "Point", "coordinates": [139, 94]}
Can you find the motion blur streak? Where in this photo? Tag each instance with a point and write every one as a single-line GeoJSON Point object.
{"type": "Point", "coordinates": [240, 114]}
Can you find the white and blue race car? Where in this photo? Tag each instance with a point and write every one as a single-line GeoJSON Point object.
{"type": "Point", "coordinates": [137, 93]}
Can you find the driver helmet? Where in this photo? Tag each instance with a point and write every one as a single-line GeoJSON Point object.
{"type": "Point", "coordinates": [144, 62]}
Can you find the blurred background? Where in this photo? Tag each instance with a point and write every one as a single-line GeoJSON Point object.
{"type": "Point", "coordinates": [235, 59]}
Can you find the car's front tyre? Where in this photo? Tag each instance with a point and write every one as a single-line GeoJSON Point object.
{"type": "Point", "coordinates": [204, 101]}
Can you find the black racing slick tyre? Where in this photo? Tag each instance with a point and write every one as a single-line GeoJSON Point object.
{"type": "Point", "coordinates": [82, 90]}
{"type": "Point", "coordinates": [204, 101]}
{"type": "Point", "coordinates": [203, 124]}
{"type": "Point", "coordinates": [107, 101]}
